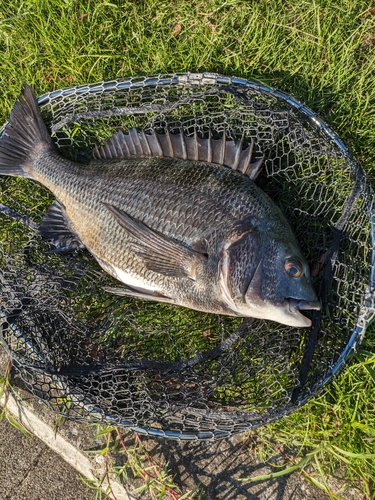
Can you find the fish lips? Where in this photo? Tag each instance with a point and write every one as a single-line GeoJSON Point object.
{"type": "Point", "coordinates": [295, 306]}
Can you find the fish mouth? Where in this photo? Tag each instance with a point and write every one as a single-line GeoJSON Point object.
{"type": "Point", "coordinates": [296, 306]}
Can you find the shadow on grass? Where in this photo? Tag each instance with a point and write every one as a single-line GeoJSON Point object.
{"type": "Point", "coordinates": [218, 466]}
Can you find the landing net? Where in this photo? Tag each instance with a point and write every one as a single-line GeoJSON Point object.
{"type": "Point", "coordinates": [168, 371]}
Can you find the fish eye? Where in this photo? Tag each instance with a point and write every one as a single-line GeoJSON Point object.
{"type": "Point", "coordinates": [293, 267]}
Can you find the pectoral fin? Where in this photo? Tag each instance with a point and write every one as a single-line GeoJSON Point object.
{"type": "Point", "coordinates": [160, 253]}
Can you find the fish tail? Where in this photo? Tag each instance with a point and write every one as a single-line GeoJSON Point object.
{"type": "Point", "coordinates": [25, 137]}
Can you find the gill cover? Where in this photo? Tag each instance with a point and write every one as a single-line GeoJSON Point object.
{"type": "Point", "coordinates": [239, 260]}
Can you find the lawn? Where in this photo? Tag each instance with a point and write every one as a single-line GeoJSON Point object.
{"type": "Point", "coordinates": [321, 52]}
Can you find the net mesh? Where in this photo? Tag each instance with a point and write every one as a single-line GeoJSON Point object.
{"type": "Point", "coordinates": [168, 371]}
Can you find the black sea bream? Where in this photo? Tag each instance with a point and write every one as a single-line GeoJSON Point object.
{"type": "Point", "coordinates": [171, 227]}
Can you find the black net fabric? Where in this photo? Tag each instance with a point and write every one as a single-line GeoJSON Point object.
{"type": "Point", "coordinates": [168, 371]}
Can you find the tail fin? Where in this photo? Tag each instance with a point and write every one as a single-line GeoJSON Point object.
{"type": "Point", "coordinates": [24, 137]}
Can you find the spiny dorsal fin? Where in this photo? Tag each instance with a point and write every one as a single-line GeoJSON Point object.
{"type": "Point", "coordinates": [219, 151]}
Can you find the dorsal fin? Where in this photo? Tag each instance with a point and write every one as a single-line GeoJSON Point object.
{"type": "Point", "coordinates": [220, 151]}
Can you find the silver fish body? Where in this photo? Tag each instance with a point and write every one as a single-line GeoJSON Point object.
{"type": "Point", "coordinates": [186, 232]}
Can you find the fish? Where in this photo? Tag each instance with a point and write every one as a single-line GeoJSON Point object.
{"type": "Point", "coordinates": [176, 219]}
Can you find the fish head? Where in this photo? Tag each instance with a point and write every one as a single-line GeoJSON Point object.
{"type": "Point", "coordinates": [268, 278]}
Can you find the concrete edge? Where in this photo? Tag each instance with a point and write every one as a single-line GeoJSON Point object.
{"type": "Point", "coordinates": [61, 446]}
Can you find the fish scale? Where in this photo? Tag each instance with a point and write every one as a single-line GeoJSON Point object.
{"type": "Point", "coordinates": [176, 219]}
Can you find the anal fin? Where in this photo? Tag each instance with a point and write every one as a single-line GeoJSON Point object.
{"type": "Point", "coordinates": [55, 228]}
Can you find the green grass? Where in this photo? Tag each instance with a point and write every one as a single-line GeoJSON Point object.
{"type": "Point", "coordinates": [322, 52]}
{"type": "Point", "coordinates": [334, 435]}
